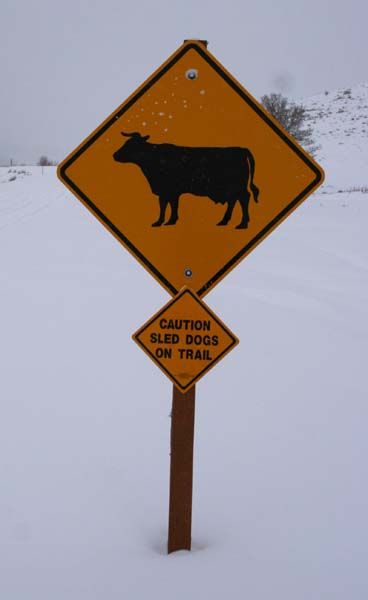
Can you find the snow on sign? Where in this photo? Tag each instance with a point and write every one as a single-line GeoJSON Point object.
{"type": "Point", "coordinates": [185, 339]}
{"type": "Point", "coordinates": [190, 173]}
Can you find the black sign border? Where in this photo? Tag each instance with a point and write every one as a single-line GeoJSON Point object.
{"type": "Point", "coordinates": [126, 106]}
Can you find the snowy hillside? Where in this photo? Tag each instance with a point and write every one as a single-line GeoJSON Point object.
{"type": "Point", "coordinates": [340, 124]}
{"type": "Point", "coordinates": [280, 491]}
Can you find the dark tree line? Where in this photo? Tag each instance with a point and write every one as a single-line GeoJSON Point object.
{"type": "Point", "coordinates": [44, 161]}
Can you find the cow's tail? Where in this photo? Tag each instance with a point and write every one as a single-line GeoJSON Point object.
{"type": "Point", "coordinates": [252, 165]}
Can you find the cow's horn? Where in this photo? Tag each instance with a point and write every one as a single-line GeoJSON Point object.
{"type": "Point", "coordinates": [134, 134]}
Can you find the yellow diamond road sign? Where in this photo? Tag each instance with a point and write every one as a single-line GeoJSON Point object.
{"type": "Point", "coordinates": [185, 339]}
{"type": "Point", "coordinates": [190, 173]}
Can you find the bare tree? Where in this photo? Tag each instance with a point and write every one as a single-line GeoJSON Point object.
{"type": "Point", "coordinates": [43, 161]}
{"type": "Point", "coordinates": [292, 117]}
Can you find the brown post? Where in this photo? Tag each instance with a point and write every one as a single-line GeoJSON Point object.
{"type": "Point", "coordinates": [181, 470]}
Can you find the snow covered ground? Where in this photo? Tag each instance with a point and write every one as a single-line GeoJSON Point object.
{"type": "Point", "coordinates": [280, 492]}
{"type": "Point", "coordinates": [340, 121]}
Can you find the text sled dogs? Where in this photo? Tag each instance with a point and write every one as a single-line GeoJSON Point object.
{"type": "Point", "coordinates": [225, 175]}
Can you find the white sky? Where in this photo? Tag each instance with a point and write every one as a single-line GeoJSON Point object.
{"type": "Point", "coordinates": [66, 65]}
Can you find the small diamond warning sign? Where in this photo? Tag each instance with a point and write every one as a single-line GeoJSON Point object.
{"type": "Point", "coordinates": [185, 339]}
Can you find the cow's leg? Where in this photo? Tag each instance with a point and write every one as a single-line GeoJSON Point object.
{"type": "Point", "coordinates": [174, 205]}
{"type": "Point", "coordinates": [163, 204]}
{"type": "Point", "coordinates": [229, 211]}
{"type": "Point", "coordinates": [244, 203]}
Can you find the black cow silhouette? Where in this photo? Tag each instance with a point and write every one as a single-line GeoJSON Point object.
{"type": "Point", "coordinates": [225, 175]}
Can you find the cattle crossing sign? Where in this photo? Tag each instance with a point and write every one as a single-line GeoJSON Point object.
{"type": "Point", "coordinates": [190, 173]}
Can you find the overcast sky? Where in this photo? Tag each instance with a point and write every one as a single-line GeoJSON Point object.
{"type": "Point", "coordinates": [65, 65]}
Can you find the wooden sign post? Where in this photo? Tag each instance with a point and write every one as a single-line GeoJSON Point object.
{"type": "Point", "coordinates": [181, 470]}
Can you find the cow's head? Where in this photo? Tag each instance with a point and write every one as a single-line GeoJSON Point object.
{"type": "Point", "coordinates": [133, 150]}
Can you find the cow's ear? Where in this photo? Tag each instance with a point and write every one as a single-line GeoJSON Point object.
{"type": "Point", "coordinates": [145, 137]}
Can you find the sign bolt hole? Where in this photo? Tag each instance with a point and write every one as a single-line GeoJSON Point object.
{"type": "Point", "coordinates": [191, 74]}
{"type": "Point", "coordinates": [188, 273]}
